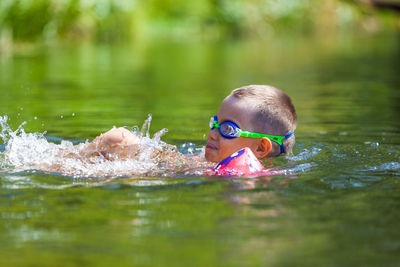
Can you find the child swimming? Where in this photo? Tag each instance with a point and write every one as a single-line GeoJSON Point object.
{"type": "Point", "coordinates": [259, 117]}
{"type": "Point", "coordinates": [253, 122]}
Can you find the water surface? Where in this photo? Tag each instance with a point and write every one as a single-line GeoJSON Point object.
{"type": "Point", "coordinates": [337, 204]}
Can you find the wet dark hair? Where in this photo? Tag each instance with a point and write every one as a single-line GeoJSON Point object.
{"type": "Point", "coordinates": [274, 113]}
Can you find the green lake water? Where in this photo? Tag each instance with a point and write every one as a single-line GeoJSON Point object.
{"type": "Point", "coordinates": [336, 205]}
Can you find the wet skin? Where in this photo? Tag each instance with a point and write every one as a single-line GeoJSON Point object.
{"type": "Point", "coordinates": [239, 112]}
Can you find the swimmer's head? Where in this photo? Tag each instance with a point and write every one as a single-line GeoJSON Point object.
{"type": "Point", "coordinates": [258, 109]}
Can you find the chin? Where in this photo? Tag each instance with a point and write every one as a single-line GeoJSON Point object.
{"type": "Point", "coordinates": [211, 156]}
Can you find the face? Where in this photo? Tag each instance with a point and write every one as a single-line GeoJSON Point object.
{"type": "Point", "coordinates": [239, 112]}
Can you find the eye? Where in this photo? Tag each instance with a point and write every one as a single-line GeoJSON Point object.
{"type": "Point", "coordinates": [228, 129]}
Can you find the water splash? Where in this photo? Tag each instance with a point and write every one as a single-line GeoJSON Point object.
{"type": "Point", "coordinates": [30, 152]}
{"type": "Point", "coordinates": [151, 157]}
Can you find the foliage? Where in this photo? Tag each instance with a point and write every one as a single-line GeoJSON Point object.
{"type": "Point", "coordinates": [110, 20]}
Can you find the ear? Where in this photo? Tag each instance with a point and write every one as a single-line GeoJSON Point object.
{"type": "Point", "coordinates": [264, 146]}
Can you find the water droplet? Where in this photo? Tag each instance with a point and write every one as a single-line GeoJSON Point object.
{"type": "Point", "coordinates": [375, 144]}
{"type": "Point", "coordinates": [73, 114]}
{"type": "Point", "coordinates": [21, 108]}
{"type": "Point", "coordinates": [35, 118]}
{"type": "Point", "coordinates": [61, 116]}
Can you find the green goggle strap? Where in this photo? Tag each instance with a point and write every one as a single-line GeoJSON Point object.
{"type": "Point", "coordinates": [276, 138]}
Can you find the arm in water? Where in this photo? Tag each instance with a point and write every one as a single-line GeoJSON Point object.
{"type": "Point", "coordinates": [121, 144]}
{"type": "Point", "coordinates": [115, 143]}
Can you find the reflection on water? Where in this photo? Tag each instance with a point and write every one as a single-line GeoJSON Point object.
{"type": "Point", "coordinates": [335, 204]}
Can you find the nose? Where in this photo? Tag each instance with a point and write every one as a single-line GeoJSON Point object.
{"type": "Point", "coordinates": [213, 134]}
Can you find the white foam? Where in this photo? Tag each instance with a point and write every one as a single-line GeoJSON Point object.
{"type": "Point", "coordinates": [32, 151]}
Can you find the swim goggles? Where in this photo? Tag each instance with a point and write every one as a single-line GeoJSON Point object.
{"type": "Point", "coordinates": [230, 130]}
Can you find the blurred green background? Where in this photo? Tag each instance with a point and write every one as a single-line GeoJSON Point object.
{"type": "Point", "coordinates": [24, 21]}
{"type": "Point", "coordinates": [76, 68]}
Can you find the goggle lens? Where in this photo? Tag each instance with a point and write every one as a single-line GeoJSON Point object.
{"type": "Point", "coordinates": [227, 129]}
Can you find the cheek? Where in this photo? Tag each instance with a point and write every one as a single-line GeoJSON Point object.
{"type": "Point", "coordinates": [228, 147]}
{"type": "Point", "coordinates": [250, 143]}
{"type": "Point", "coordinates": [231, 146]}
